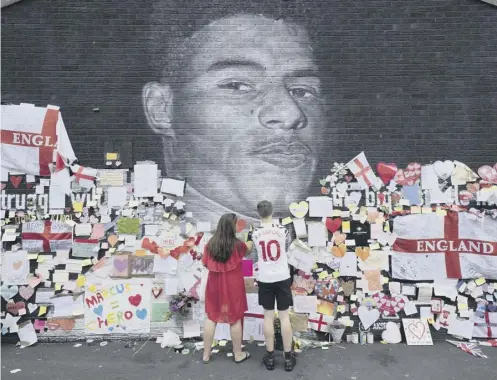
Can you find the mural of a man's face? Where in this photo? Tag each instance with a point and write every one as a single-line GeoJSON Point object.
{"type": "Point", "coordinates": [243, 125]}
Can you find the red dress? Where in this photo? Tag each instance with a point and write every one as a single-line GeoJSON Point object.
{"type": "Point", "coordinates": [225, 297]}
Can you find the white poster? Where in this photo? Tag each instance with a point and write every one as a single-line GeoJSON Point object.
{"type": "Point", "coordinates": [118, 306]}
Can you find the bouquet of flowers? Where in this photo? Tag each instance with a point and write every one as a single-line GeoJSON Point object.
{"type": "Point", "coordinates": [180, 304]}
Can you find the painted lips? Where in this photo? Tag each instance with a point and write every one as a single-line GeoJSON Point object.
{"type": "Point", "coordinates": [284, 155]}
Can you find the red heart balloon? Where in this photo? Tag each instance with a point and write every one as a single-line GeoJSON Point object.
{"type": "Point", "coordinates": [386, 171]}
{"type": "Point", "coordinates": [333, 224]}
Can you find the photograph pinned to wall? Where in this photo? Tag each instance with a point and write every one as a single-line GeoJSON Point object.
{"type": "Point", "coordinates": [15, 268]}
{"type": "Point", "coordinates": [142, 266]}
{"type": "Point", "coordinates": [121, 265]}
{"type": "Point", "coordinates": [145, 179]}
{"type": "Point", "coordinates": [417, 332]}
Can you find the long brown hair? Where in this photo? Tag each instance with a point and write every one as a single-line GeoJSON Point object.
{"type": "Point", "coordinates": [222, 243]}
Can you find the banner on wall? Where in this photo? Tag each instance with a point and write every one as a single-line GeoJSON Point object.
{"type": "Point", "coordinates": [118, 307]}
{"type": "Point", "coordinates": [31, 137]}
{"type": "Point", "coordinates": [434, 246]}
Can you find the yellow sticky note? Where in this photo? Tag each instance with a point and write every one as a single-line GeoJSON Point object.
{"type": "Point", "coordinates": [140, 252]}
{"type": "Point", "coordinates": [32, 256]}
{"type": "Point", "coordinates": [173, 217]}
{"type": "Point", "coordinates": [323, 275]}
{"type": "Point", "coordinates": [166, 215]}
{"type": "Point", "coordinates": [462, 306]}
{"type": "Point", "coordinates": [398, 208]}
{"type": "Point", "coordinates": [336, 213]}
{"type": "Point", "coordinates": [111, 156]}
{"type": "Point", "coordinates": [480, 281]}
{"type": "Point", "coordinates": [222, 343]}
{"type": "Point", "coordinates": [374, 246]}
{"type": "Point", "coordinates": [346, 226]}
{"type": "Point", "coordinates": [336, 274]}
{"type": "Point", "coordinates": [86, 262]}
{"type": "Point", "coordinates": [42, 311]}
{"type": "Point", "coordinates": [77, 206]}
{"type": "Point", "coordinates": [426, 210]}
{"type": "Point", "coordinates": [287, 221]}
{"type": "Point", "coordinates": [431, 321]}
{"type": "Point", "coordinates": [384, 280]}
{"type": "Point", "coordinates": [58, 286]}
{"type": "Point", "coordinates": [81, 281]}
{"type": "Point", "coordinates": [441, 212]}
{"type": "Point", "coordinates": [112, 250]}
{"type": "Point", "coordinates": [387, 227]}
{"type": "Point", "coordinates": [415, 210]}
{"type": "Point", "coordinates": [315, 266]}
{"type": "Point", "coordinates": [341, 308]}
{"type": "Point", "coordinates": [41, 259]}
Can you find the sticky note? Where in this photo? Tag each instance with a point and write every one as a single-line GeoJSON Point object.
{"type": "Point", "coordinates": [166, 215]}
{"type": "Point", "coordinates": [222, 343]}
{"type": "Point", "coordinates": [415, 210]}
{"type": "Point", "coordinates": [387, 227]}
{"type": "Point", "coordinates": [480, 281]}
{"type": "Point", "coordinates": [336, 274]}
{"type": "Point", "coordinates": [398, 208]}
{"type": "Point", "coordinates": [42, 311]}
{"type": "Point", "coordinates": [346, 226]}
{"type": "Point", "coordinates": [111, 156]}
{"type": "Point", "coordinates": [426, 210]}
{"type": "Point", "coordinates": [341, 308]}
{"type": "Point", "coordinates": [462, 306]}
{"type": "Point", "coordinates": [81, 280]}
{"type": "Point", "coordinates": [32, 256]}
{"type": "Point", "coordinates": [353, 297]}
{"type": "Point", "coordinates": [77, 206]}
{"type": "Point", "coordinates": [58, 286]}
{"type": "Point", "coordinates": [112, 250]}
{"type": "Point", "coordinates": [140, 252]}
{"type": "Point", "coordinates": [41, 259]}
{"type": "Point", "coordinates": [337, 213]}
{"type": "Point", "coordinates": [374, 246]}
{"type": "Point", "coordinates": [323, 275]}
{"type": "Point", "coordinates": [86, 262]}
{"type": "Point", "coordinates": [287, 221]}
{"type": "Point", "coordinates": [441, 212]}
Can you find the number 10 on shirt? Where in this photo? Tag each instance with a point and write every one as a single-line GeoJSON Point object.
{"type": "Point", "coordinates": [268, 250]}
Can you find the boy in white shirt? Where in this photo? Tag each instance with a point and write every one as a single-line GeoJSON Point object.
{"type": "Point", "coordinates": [274, 282]}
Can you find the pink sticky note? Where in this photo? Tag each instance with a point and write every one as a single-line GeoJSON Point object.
{"type": "Point", "coordinates": [247, 268]}
{"type": "Point", "coordinates": [39, 324]}
{"type": "Point", "coordinates": [98, 231]}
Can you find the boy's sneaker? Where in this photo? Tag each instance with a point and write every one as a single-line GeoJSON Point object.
{"type": "Point", "coordinates": [290, 361]}
{"type": "Point", "coordinates": [268, 361]}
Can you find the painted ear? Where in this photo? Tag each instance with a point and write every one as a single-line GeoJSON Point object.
{"type": "Point", "coordinates": [157, 103]}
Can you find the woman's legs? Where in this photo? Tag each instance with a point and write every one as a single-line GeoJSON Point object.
{"type": "Point", "coordinates": [236, 339]}
{"type": "Point", "coordinates": [209, 330]}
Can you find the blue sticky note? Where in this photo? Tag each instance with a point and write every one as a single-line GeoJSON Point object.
{"type": "Point", "coordinates": [412, 193]}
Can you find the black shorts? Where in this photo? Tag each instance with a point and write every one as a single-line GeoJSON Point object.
{"type": "Point", "coordinates": [276, 291]}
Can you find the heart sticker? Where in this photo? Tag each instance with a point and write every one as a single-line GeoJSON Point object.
{"type": "Point", "coordinates": [417, 329]}
{"type": "Point", "coordinates": [8, 292]}
{"type": "Point", "coordinates": [299, 210]}
{"type": "Point", "coordinates": [15, 180]}
{"type": "Point", "coordinates": [34, 280]}
{"type": "Point", "coordinates": [444, 169]}
{"type": "Point", "coordinates": [113, 240]}
{"type": "Point", "coordinates": [339, 238]}
{"type": "Point", "coordinates": [333, 224]}
{"type": "Point", "coordinates": [386, 171]}
{"type": "Point", "coordinates": [135, 300]}
{"type": "Point", "coordinates": [362, 253]}
{"type": "Point", "coordinates": [488, 173]}
{"type": "Point", "coordinates": [410, 175]}
{"type": "Point", "coordinates": [339, 251]}
{"type": "Point", "coordinates": [156, 291]}
{"type": "Point", "coordinates": [32, 307]}
{"type": "Point", "coordinates": [26, 292]}
{"type": "Point", "coordinates": [368, 316]}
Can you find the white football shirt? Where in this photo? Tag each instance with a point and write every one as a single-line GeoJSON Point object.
{"type": "Point", "coordinates": [270, 242]}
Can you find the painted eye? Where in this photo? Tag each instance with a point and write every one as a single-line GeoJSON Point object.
{"type": "Point", "coordinates": [235, 86]}
{"type": "Point", "coordinates": [302, 92]}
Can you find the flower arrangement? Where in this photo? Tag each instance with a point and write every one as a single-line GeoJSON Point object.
{"type": "Point", "coordinates": [180, 305]}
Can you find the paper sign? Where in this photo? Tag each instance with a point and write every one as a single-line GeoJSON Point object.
{"type": "Point", "coordinates": [253, 329]}
{"type": "Point", "coordinates": [417, 332]}
{"type": "Point", "coordinates": [15, 268]}
{"type": "Point", "coordinates": [305, 304]}
{"type": "Point", "coordinates": [348, 264]}
{"type": "Point", "coordinates": [168, 265]}
{"type": "Point", "coordinates": [173, 186]}
{"type": "Point", "coordinates": [116, 197]}
{"type": "Point", "coordinates": [320, 206]}
{"type": "Point", "coordinates": [109, 177]}
{"type": "Point", "coordinates": [300, 227]}
{"type": "Point", "coordinates": [171, 286]}
{"type": "Point", "coordinates": [85, 248]}
{"type": "Point", "coordinates": [145, 180]}
{"type": "Point", "coordinates": [125, 309]}
{"type": "Point", "coordinates": [27, 334]}
{"type": "Point", "coordinates": [67, 306]}
{"type": "Point", "coordinates": [318, 234]}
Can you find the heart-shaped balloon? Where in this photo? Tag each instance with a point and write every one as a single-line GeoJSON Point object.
{"type": "Point", "coordinates": [333, 224]}
{"type": "Point", "coordinates": [488, 173]}
{"type": "Point", "coordinates": [386, 171]}
{"type": "Point", "coordinates": [299, 210]}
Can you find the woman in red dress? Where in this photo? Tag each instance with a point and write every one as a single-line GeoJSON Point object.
{"type": "Point", "coordinates": [225, 298]}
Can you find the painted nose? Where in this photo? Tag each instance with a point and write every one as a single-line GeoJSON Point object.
{"type": "Point", "coordinates": [282, 113]}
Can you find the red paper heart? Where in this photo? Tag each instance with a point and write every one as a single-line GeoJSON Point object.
{"type": "Point", "coordinates": [15, 180]}
{"type": "Point", "coordinates": [240, 225]}
{"type": "Point", "coordinates": [135, 300]}
{"type": "Point", "coordinates": [333, 224]}
{"type": "Point", "coordinates": [14, 307]}
{"type": "Point", "coordinates": [150, 245]}
{"type": "Point", "coordinates": [386, 171]}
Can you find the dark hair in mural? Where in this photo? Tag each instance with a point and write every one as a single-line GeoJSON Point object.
{"type": "Point", "coordinates": [222, 244]}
